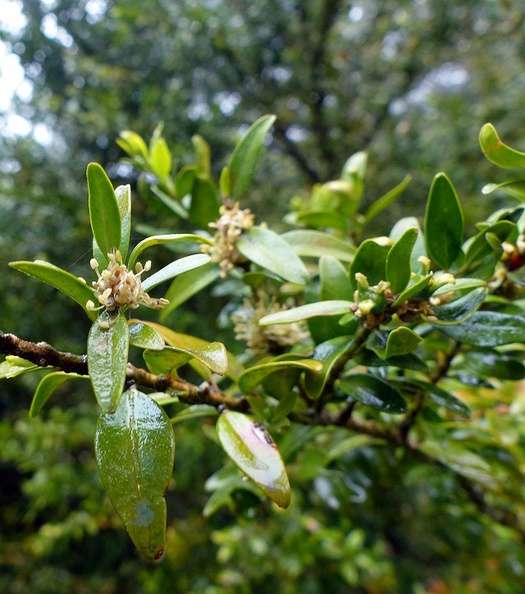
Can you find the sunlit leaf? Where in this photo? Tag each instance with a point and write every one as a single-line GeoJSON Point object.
{"type": "Point", "coordinates": [144, 336]}
{"type": "Point", "coordinates": [253, 450]}
{"type": "Point", "coordinates": [123, 196]}
{"type": "Point", "coordinates": [14, 366]}
{"type": "Point", "coordinates": [372, 391]}
{"type": "Point", "coordinates": [310, 310]}
{"type": "Point", "coordinates": [175, 268]}
{"type": "Point", "coordinates": [135, 449]}
{"type": "Point", "coordinates": [496, 151]}
{"type": "Point", "coordinates": [164, 240]}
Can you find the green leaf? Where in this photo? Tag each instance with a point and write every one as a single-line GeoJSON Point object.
{"type": "Point", "coordinates": [398, 266]}
{"type": "Point", "coordinates": [48, 384]}
{"type": "Point", "coordinates": [254, 452]}
{"type": "Point", "coordinates": [64, 281]}
{"type": "Point", "coordinates": [123, 196]}
{"type": "Point", "coordinates": [461, 284]}
{"type": "Point", "coordinates": [320, 219]}
{"type": "Point", "coordinates": [104, 212]}
{"type": "Point", "coordinates": [185, 179]}
{"type": "Point", "coordinates": [188, 284]}
{"type": "Point", "coordinates": [415, 286]}
{"type": "Point", "coordinates": [269, 250]}
{"type": "Point", "coordinates": [253, 376]}
{"type": "Point", "coordinates": [515, 188]}
{"type": "Point", "coordinates": [160, 157]}
{"type": "Point", "coordinates": [460, 309]}
{"type": "Point", "coordinates": [213, 355]}
{"type": "Point", "coordinates": [133, 144]}
{"type": "Point", "coordinates": [372, 391]}
{"type": "Point", "coordinates": [202, 155]}
{"type": "Point", "coordinates": [243, 161]}
{"type": "Point", "coordinates": [419, 248]}
{"type": "Point", "coordinates": [496, 151]}
{"type": "Point", "coordinates": [385, 201]}
{"type": "Point", "coordinates": [310, 310]}
{"type": "Point", "coordinates": [144, 336]}
{"type": "Point", "coordinates": [491, 363]}
{"type": "Point", "coordinates": [177, 267]}
{"type": "Point", "coordinates": [441, 397]}
{"type": "Point", "coordinates": [135, 449]}
{"type": "Point", "coordinates": [401, 341]}
{"type": "Point", "coordinates": [443, 222]}
{"type": "Point", "coordinates": [15, 366]}
{"type": "Point", "coordinates": [334, 280]}
{"type": "Point", "coordinates": [329, 353]}
{"type": "Point", "coordinates": [204, 206]}
{"type": "Point", "coordinates": [487, 329]}
{"type": "Point", "coordinates": [480, 246]}
{"type": "Point", "coordinates": [195, 411]}
{"type": "Point", "coordinates": [316, 244]}
{"type": "Point", "coordinates": [107, 352]}
{"type": "Point", "coordinates": [171, 203]}
{"type": "Point", "coordinates": [164, 240]}
{"type": "Point", "coordinates": [370, 260]}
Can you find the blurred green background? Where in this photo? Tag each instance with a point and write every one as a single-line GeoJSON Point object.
{"type": "Point", "coordinates": [411, 82]}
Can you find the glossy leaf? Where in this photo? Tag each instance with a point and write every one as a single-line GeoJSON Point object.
{"type": "Point", "coordinates": [254, 452]}
{"type": "Point", "coordinates": [253, 376]}
{"type": "Point", "coordinates": [166, 361]}
{"type": "Point", "coordinates": [329, 353]}
{"type": "Point", "coordinates": [443, 222]}
{"type": "Point", "coordinates": [48, 384]}
{"type": "Point", "coordinates": [123, 196]}
{"type": "Point", "coordinates": [269, 250]}
{"type": "Point", "coordinates": [213, 356]}
{"type": "Point", "coordinates": [515, 188]}
{"type": "Point", "coordinates": [460, 309]}
{"type": "Point", "coordinates": [372, 391]}
{"type": "Point", "coordinates": [401, 341]}
{"type": "Point", "coordinates": [14, 366]}
{"type": "Point", "coordinates": [316, 244]}
{"type": "Point", "coordinates": [104, 212]}
{"type": "Point", "coordinates": [488, 328]}
{"type": "Point", "coordinates": [491, 363]}
{"type": "Point", "coordinates": [370, 260]}
{"type": "Point", "coordinates": [334, 280]}
{"type": "Point", "coordinates": [144, 336]}
{"type": "Point", "coordinates": [496, 151]}
{"type": "Point", "coordinates": [480, 246]}
{"type": "Point", "coordinates": [398, 267]}
{"type": "Point", "coordinates": [416, 286]}
{"type": "Point", "coordinates": [379, 205]}
{"type": "Point", "coordinates": [64, 281]}
{"type": "Point", "coordinates": [164, 240]}
{"type": "Point", "coordinates": [461, 284]}
{"type": "Point", "coordinates": [310, 310]}
{"type": "Point", "coordinates": [243, 161]}
{"type": "Point", "coordinates": [135, 449]}
{"type": "Point", "coordinates": [107, 352]}
{"type": "Point", "coordinates": [442, 397]}
{"type": "Point", "coordinates": [177, 267]}
{"type": "Point", "coordinates": [189, 283]}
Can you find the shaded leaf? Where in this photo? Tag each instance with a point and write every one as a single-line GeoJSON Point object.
{"type": "Point", "coordinates": [135, 449]}
{"type": "Point", "coordinates": [316, 244]}
{"type": "Point", "coordinates": [460, 309]}
{"type": "Point", "coordinates": [398, 266]}
{"type": "Point", "coordinates": [253, 450]}
{"type": "Point", "coordinates": [204, 206]}
{"type": "Point", "coordinates": [401, 341]}
{"type": "Point", "coordinates": [253, 376]}
{"type": "Point", "coordinates": [488, 328]}
{"type": "Point", "coordinates": [334, 280]}
{"type": "Point", "coordinates": [107, 352]}
{"type": "Point", "coordinates": [496, 151]}
{"type": "Point", "coordinates": [370, 260]}
{"type": "Point", "coordinates": [416, 286]}
{"type": "Point", "coordinates": [48, 384]}
{"type": "Point", "coordinates": [380, 204]}
{"type": "Point", "coordinates": [372, 391]}
{"type": "Point", "coordinates": [164, 240]}
{"type": "Point", "coordinates": [195, 411]}
{"type": "Point", "coordinates": [14, 366]}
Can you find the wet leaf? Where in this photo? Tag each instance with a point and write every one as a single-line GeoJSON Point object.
{"type": "Point", "coordinates": [372, 391]}
{"type": "Point", "coordinates": [254, 452]}
{"type": "Point", "coordinates": [107, 352]}
{"type": "Point", "coordinates": [104, 212]}
{"type": "Point", "coordinates": [175, 268]}
{"type": "Point", "coordinates": [401, 341]}
{"type": "Point", "coordinates": [163, 240]}
{"type": "Point", "coordinates": [460, 309]}
{"type": "Point", "coordinates": [144, 336]}
{"type": "Point", "coordinates": [253, 376]}
{"type": "Point", "coordinates": [213, 356]}
{"type": "Point", "coordinates": [48, 384]}
{"type": "Point", "coordinates": [135, 449]}
{"type": "Point", "coordinates": [487, 329]}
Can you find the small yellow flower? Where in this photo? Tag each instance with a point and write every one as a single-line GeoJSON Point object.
{"type": "Point", "coordinates": [230, 226]}
{"type": "Point", "coordinates": [117, 286]}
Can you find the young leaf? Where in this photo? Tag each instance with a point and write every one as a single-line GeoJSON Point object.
{"type": "Point", "coordinates": [245, 156]}
{"type": "Point", "coordinates": [107, 352]}
{"type": "Point", "coordinates": [416, 286]}
{"type": "Point", "coordinates": [269, 250]}
{"type": "Point", "coordinates": [48, 384]}
{"type": "Point", "coordinates": [401, 341]}
{"type": "Point", "coordinates": [202, 156]}
{"type": "Point", "coordinates": [64, 281]}
{"type": "Point", "coordinates": [14, 366]}
{"type": "Point", "coordinates": [515, 188]}
{"type": "Point", "coordinates": [254, 452]}
{"type": "Point", "coordinates": [496, 151]}
{"type": "Point", "coordinates": [370, 260]}
{"type": "Point", "coordinates": [123, 196]}
{"type": "Point", "coordinates": [443, 222]}
{"type": "Point", "coordinates": [163, 240]}
{"type": "Point", "coordinates": [372, 391]}
{"type": "Point", "coordinates": [213, 355]}
{"type": "Point", "coordinates": [310, 310]}
{"type": "Point", "coordinates": [160, 157]}
{"type": "Point", "coordinates": [398, 267]}
{"type": "Point", "coordinates": [135, 449]}
{"type": "Point", "coordinates": [104, 213]}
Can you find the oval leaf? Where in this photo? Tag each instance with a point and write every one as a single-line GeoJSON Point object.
{"type": "Point", "coordinates": [213, 356]}
{"type": "Point", "coordinates": [401, 341]}
{"type": "Point", "coordinates": [316, 244]}
{"type": "Point", "coordinates": [372, 391]}
{"type": "Point", "coordinates": [135, 449]}
{"type": "Point", "coordinates": [398, 267]}
{"type": "Point", "coordinates": [243, 162]}
{"type": "Point", "coordinates": [488, 328]}
{"type": "Point", "coordinates": [443, 222]}
{"type": "Point", "coordinates": [107, 352]}
{"type": "Point", "coordinates": [104, 213]}
{"type": "Point", "coordinates": [461, 309]}
{"type": "Point", "coordinates": [144, 336]}
{"type": "Point", "coordinates": [46, 387]}
{"type": "Point", "coordinates": [254, 452]}
{"type": "Point", "coordinates": [269, 250]}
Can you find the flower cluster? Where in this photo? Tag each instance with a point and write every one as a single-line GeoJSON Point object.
{"type": "Point", "coordinates": [117, 286]}
{"type": "Point", "coordinates": [230, 225]}
{"type": "Point", "coordinates": [261, 339]}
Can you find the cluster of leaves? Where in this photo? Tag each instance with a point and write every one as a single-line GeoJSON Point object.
{"type": "Point", "coordinates": [403, 339]}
